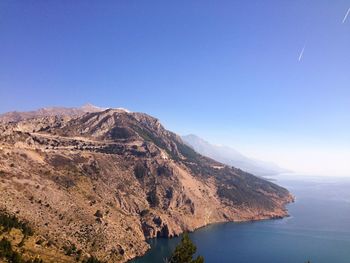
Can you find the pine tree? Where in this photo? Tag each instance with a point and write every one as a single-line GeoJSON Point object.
{"type": "Point", "coordinates": [184, 252]}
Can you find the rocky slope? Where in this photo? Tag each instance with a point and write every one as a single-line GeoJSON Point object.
{"type": "Point", "coordinates": [104, 182]}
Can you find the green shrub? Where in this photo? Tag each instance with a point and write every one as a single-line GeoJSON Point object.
{"type": "Point", "coordinates": [11, 221]}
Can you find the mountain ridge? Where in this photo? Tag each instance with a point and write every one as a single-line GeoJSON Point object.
{"type": "Point", "coordinates": [16, 116]}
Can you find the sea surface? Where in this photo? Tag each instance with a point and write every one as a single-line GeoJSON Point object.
{"type": "Point", "coordinates": [318, 230]}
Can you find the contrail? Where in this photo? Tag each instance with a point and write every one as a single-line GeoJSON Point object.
{"type": "Point", "coordinates": [301, 53]}
{"type": "Point", "coordinates": [346, 15]}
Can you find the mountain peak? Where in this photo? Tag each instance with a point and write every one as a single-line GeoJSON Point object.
{"type": "Point", "coordinates": [88, 107]}
{"type": "Point", "coordinates": [123, 109]}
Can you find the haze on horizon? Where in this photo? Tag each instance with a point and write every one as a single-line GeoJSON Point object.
{"type": "Point", "coordinates": [270, 79]}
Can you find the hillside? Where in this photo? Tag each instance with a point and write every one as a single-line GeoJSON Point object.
{"type": "Point", "coordinates": [99, 184]}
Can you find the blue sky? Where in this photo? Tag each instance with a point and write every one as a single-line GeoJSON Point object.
{"type": "Point", "coordinates": [225, 70]}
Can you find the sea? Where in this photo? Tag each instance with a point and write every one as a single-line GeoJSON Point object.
{"type": "Point", "coordinates": [317, 230]}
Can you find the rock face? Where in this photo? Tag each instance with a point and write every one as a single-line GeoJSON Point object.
{"type": "Point", "coordinates": [106, 181]}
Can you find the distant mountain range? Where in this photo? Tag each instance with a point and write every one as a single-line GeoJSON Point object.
{"type": "Point", "coordinates": [16, 116]}
{"type": "Point", "coordinates": [232, 157]}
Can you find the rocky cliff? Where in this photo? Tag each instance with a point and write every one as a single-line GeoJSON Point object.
{"type": "Point", "coordinates": [104, 182]}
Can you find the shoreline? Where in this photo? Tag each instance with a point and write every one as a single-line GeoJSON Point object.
{"type": "Point", "coordinates": [287, 215]}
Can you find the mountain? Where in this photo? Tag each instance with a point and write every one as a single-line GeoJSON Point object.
{"type": "Point", "coordinates": [101, 183]}
{"type": "Point", "coordinates": [232, 157]}
{"type": "Point", "coordinates": [16, 116]}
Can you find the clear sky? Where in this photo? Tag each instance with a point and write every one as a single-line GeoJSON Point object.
{"type": "Point", "coordinates": [231, 72]}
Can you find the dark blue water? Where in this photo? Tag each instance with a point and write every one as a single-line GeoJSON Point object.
{"type": "Point", "coordinates": [318, 230]}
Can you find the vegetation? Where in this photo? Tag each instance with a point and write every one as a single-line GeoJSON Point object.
{"type": "Point", "coordinates": [153, 198]}
{"type": "Point", "coordinates": [120, 133]}
{"type": "Point", "coordinates": [140, 171]}
{"type": "Point", "coordinates": [187, 151]}
{"type": "Point", "coordinates": [11, 256]}
{"type": "Point", "coordinates": [149, 136]}
{"type": "Point", "coordinates": [185, 251]}
{"type": "Point", "coordinates": [163, 170]}
{"type": "Point", "coordinates": [8, 222]}
{"type": "Point", "coordinates": [144, 212]}
{"type": "Point", "coordinates": [92, 260]}
{"type": "Point", "coordinates": [70, 250]}
{"type": "Point", "coordinates": [98, 214]}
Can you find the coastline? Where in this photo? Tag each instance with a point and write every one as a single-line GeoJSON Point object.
{"type": "Point", "coordinates": [291, 199]}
